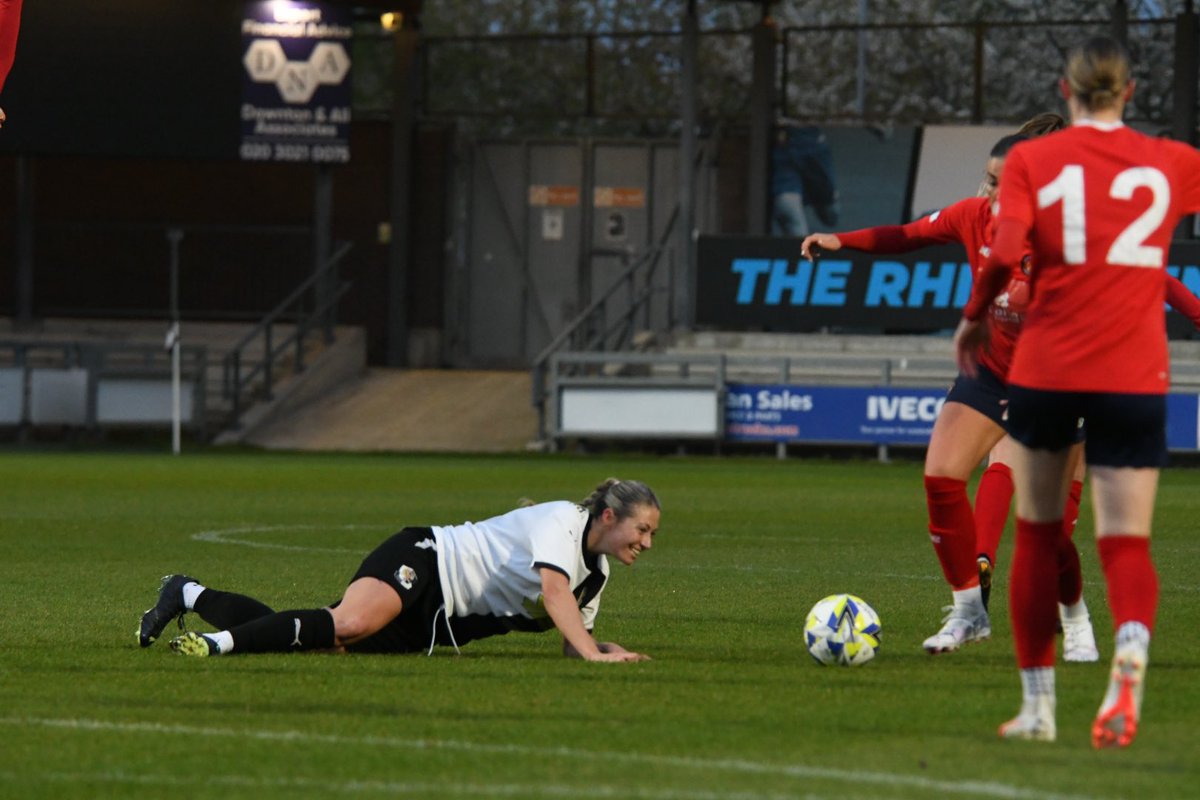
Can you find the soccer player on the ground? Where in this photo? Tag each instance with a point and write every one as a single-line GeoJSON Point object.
{"type": "Point", "coordinates": [10, 24]}
{"type": "Point", "coordinates": [1097, 203]}
{"type": "Point", "coordinates": [971, 424]}
{"type": "Point", "coordinates": [532, 569]}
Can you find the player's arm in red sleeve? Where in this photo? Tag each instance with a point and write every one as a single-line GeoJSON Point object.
{"type": "Point", "coordinates": [1182, 300]}
{"type": "Point", "coordinates": [936, 228]}
{"type": "Point", "coordinates": [10, 22]}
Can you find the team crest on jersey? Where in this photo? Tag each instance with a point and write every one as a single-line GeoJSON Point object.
{"type": "Point", "coordinates": [406, 576]}
{"type": "Point", "coordinates": [1001, 300]}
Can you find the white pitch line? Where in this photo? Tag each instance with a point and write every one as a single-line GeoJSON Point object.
{"type": "Point", "coordinates": [235, 536]}
{"type": "Point", "coordinates": [226, 536]}
{"type": "Point", "coordinates": [855, 778]}
{"type": "Point", "coordinates": [398, 787]}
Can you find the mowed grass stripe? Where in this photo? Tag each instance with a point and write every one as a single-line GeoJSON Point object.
{"type": "Point", "coordinates": [799, 771]}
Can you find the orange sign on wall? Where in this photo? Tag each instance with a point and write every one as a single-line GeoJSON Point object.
{"type": "Point", "coordinates": [619, 197]}
{"type": "Point", "coordinates": [543, 195]}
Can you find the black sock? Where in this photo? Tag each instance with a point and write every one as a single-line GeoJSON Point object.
{"type": "Point", "coordinates": [285, 632]}
{"type": "Point", "coordinates": [225, 610]}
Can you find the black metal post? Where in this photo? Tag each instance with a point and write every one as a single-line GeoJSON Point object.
{"type": "Point", "coordinates": [683, 277]}
{"type": "Point", "coordinates": [977, 100]}
{"type": "Point", "coordinates": [405, 77]}
{"type": "Point", "coordinates": [762, 123]}
{"type": "Point", "coordinates": [23, 310]}
{"type": "Point", "coordinates": [1187, 79]}
{"type": "Point", "coordinates": [174, 237]}
{"type": "Point", "coordinates": [326, 285]}
{"type": "Point", "coordinates": [589, 102]}
{"type": "Point", "coordinates": [1120, 22]}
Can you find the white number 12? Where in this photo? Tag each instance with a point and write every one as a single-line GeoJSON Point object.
{"type": "Point", "coordinates": [1129, 248]}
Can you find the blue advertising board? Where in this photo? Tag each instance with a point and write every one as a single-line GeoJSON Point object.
{"type": "Point", "coordinates": [876, 415]}
{"type": "Point", "coordinates": [296, 82]}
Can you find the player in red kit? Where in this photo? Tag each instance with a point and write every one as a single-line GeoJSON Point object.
{"type": "Point", "coordinates": [1097, 204]}
{"type": "Point", "coordinates": [971, 423]}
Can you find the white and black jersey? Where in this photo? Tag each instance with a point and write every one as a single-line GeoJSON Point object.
{"type": "Point", "coordinates": [489, 570]}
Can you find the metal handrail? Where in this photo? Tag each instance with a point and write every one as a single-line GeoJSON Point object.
{"type": "Point", "coordinates": [237, 385]}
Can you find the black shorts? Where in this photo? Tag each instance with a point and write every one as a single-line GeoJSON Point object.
{"type": "Point", "coordinates": [985, 393]}
{"type": "Point", "coordinates": [407, 562]}
{"type": "Point", "coordinates": [1123, 430]}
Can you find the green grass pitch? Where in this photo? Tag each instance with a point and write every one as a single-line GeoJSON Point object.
{"type": "Point", "coordinates": [730, 707]}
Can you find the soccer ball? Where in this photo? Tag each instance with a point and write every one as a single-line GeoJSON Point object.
{"type": "Point", "coordinates": [842, 629]}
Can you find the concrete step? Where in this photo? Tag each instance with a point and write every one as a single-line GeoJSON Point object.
{"type": "Point", "coordinates": [411, 411]}
{"type": "Point", "coordinates": [907, 360]}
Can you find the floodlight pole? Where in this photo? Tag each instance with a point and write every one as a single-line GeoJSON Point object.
{"type": "Point", "coordinates": [1186, 90]}
{"type": "Point", "coordinates": [174, 236]}
{"type": "Point", "coordinates": [406, 42]}
{"type": "Point", "coordinates": [683, 311]}
{"type": "Point", "coordinates": [23, 307]}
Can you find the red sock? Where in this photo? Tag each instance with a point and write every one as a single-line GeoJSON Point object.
{"type": "Point", "coordinates": [952, 529]}
{"type": "Point", "coordinates": [1132, 581]}
{"type": "Point", "coordinates": [1071, 511]}
{"type": "Point", "coordinates": [1070, 577]}
{"type": "Point", "coordinates": [993, 499]}
{"type": "Point", "coordinates": [1031, 595]}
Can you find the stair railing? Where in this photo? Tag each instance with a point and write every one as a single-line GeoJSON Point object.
{"type": "Point", "coordinates": [607, 324]}
{"type": "Point", "coordinates": [239, 374]}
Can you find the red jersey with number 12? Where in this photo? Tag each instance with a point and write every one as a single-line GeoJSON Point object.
{"type": "Point", "coordinates": [1101, 202]}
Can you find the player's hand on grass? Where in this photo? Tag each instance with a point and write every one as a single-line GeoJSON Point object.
{"type": "Point", "coordinates": [624, 655]}
{"type": "Point", "coordinates": [608, 651]}
{"type": "Point", "coordinates": [613, 647]}
{"type": "Point", "coordinates": [817, 243]}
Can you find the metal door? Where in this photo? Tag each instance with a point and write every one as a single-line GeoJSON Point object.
{"type": "Point", "coordinates": [521, 281]}
{"type": "Point", "coordinates": [549, 226]}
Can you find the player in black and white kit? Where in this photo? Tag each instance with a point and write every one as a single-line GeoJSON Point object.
{"type": "Point", "coordinates": [532, 569]}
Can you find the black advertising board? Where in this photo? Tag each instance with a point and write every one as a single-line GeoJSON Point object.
{"type": "Point", "coordinates": [762, 283]}
{"type": "Point", "coordinates": [138, 78]}
{"type": "Point", "coordinates": [154, 79]}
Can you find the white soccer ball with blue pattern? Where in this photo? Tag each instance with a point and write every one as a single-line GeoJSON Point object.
{"type": "Point", "coordinates": [842, 629]}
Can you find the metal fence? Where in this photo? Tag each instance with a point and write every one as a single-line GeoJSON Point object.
{"type": "Point", "coordinates": [983, 71]}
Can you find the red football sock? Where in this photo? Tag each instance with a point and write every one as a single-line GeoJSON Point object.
{"type": "Point", "coordinates": [1132, 581]}
{"type": "Point", "coordinates": [1070, 577]}
{"type": "Point", "coordinates": [993, 499]}
{"type": "Point", "coordinates": [1031, 595]}
{"type": "Point", "coordinates": [952, 529]}
{"type": "Point", "coordinates": [1071, 511]}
